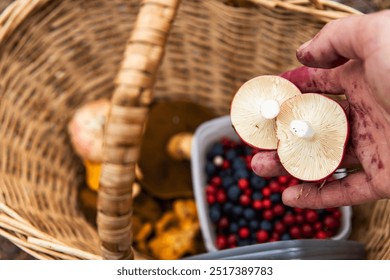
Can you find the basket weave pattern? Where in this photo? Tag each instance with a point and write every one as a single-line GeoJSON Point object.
{"type": "Point", "coordinates": [58, 55]}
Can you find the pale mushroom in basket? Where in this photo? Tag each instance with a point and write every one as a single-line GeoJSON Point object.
{"type": "Point", "coordinates": [255, 107]}
{"type": "Point", "coordinates": [313, 132]}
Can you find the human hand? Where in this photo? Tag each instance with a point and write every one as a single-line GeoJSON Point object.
{"type": "Point", "coordinates": [350, 56]}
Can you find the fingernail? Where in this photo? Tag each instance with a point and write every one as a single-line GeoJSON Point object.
{"type": "Point", "coordinates": [304, 46]}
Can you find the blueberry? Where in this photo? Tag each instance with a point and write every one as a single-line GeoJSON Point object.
{"type": "Point", "coordinates": [257, 182]}
{"type": "Point", "coordinates": [257, 196]}
{"type": "Point", "coordinates": [234, 227]}
{"type": "Point", "coordinates": [227, 182]}
{"type": "Point", "coordinates": [254, 225]}
{"type": "Point", "coordinates": [228, 208]}
{"type": "Point", "coordinates": [215, 150]}
{"type": "Point", "coordinates": [238, 163]}
{"type": "Point", "coordinates": [210, 169]}
{"type": "Point", "coordinates": [225, 173]}
{"type": "Point", "coordinates": [276, 197]}
{"type": "Point", "coordinates": [266, 225]}
{"type": "Point", "coordinates": [231, 154]}
{"type": "Point", "coordinates": [233, 193]}
{"type": "Point", "coordinates": [249, 213]}
{"type": "Point", "coordinates": [242, 223]}
{"type": "Point", "coordinates": [243, 242]}
{"type": "Point", "coordinates": [241, 173]}
{"type": "Point", "coordinates": [285, 236]}
{"type": "Point", "coordinates": [237, 211]}
{"type": "Point", "coordinates": [248, 150]}
{"type": "Point", "coordinates": [215, 213]}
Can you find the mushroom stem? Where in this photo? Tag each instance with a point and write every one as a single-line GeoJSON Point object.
{"type": "Point", "coordinates": [269, 109]}
{"type": "Point", "coordinates": [302, 129]}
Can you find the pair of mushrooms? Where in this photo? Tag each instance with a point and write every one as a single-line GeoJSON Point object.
{"type": "Point", "coordinates": [309, 131]}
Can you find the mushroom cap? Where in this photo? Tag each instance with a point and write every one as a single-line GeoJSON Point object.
{"type": "Point", "coordinates": [315, 155]}
{"type": "Point", "coordinates": [254, 107]}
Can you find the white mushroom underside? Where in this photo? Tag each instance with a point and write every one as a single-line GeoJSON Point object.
{"type": "Point", "coordinates": [246, 109]}
{"type": "Point", "coordinates": [316, 158]}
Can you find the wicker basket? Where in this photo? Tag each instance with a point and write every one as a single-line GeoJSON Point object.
{"type": "Point", "coordinates": [56, 55]}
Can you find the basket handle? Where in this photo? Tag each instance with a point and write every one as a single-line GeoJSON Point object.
{"type": "Point", "coordinates": [124, 128]}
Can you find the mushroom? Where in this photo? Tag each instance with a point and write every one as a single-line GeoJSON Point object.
{"type": "Point", "coordinates": [312, 132]}
{"type": "Point", "coordinates": [255, 107]}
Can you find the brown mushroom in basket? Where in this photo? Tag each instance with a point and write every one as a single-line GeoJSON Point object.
{"type": "Point", "coordinates": [255, 107]}
{"type": "Point", "coordinates": [312, 132]}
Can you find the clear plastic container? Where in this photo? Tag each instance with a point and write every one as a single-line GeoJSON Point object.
{"type": "Point", "coordinates": [207, 134]}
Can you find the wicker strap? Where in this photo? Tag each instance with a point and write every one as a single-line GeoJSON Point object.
{"type": "Point", "coordinates": [129, 108]}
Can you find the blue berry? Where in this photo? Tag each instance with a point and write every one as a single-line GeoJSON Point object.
{"type": "Point", "coordinates": [237, 211]}
{"type": "Point", "coordinates": [225, 173]}
{"type": "Point", "coordinates": [233, 193]}
{"type": "Point", "coordinates": [227, 182]}
{"type": "Point", "coordinates": [210, 169]}
{"type": "Point", "coordinates": [249, 213]}
{"type": "Point", "coordinates": [242, 223]}
{"type": "Point", "coordinates": [257, 182]}
{"type": "Point", "coordinates": [215, 150]}
{"type": "Point", "coordinates": [233, 227]}
{"type": "Point", "coordinates": [215, 213]}
{"type": "Point", "coordinates": [254, 225]}
{"type": "Point", "coordinates": [231, 154]}
{"type": "Point", "coordinates": [241, 173]}
{"type": "Point", "coordinates": [248, 150]}
{"type": "Point", "coordinates": [285, 236]}
{"type": "Point", "coordinates": [257, 196]}
{"type": "Point", "coordinates": [266, 225]}
{"type": "Point", "coordinates": [238, 163]}
{"type": "Point", "coordinates": [276, 198]}
{"type": "Point", "coordinates": [243, 242]}
{"type": "Point", "coordinates": [228, 208]}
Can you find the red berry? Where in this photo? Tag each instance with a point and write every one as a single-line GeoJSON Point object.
{"type": "Point", "coordinates": [331, 222]}
{"type": "Point", "coordinates": [289, 219]}
{"type": "Point", "coordinates": [262, 236]}
{"type": "Point", "coordinates": [330, 233]}
{"type": "Point", "coordinates": [226, 142]}
{"type": "Point", "coordinates": [243, 184]}
{"type": "Point", "coordinates": [221, 196]}
{"type": "Point", "coordinates": [274, 187]}
{"type": "Point", "coordinates": [223, 223]}
{"type": "Point", "coordinates": [317, 226]}
{"type": "Point", "coordinates": [257, 205]}
{"type": "Point", "coordinates": [268, 215]}
{"type": "Point", "coordinates": [211, 199]}
{"type": "Point", "coordinates": [267, 203]}
{"type": "Point", "coordinates": [295, 232]}
{"type": "Point", "coordinates": [307, 231]}
{"type": "Point", "coordinates": [216, 181]}
{"type": "Point", "coordinates": [274, 237]}
{"type": "Point", "coordinates": [211, 190]}
{"type": "Point", "coordinates": [293, 182]}
{"type": "Point", "coordinates": [299, 210]}
{"type": "Point", "coordinates": [336, 214]}
{"type": "Point", "coordinates": [225, 164]}
{"type": "Point", "coordinates": [248, 192]}
{"type": "Point", "coordinates": [243, 232]}
{"type": "Point", "coordinates": [266, 192]}
{"type": "Point", "coordinates": [311, 216]}
{"type": "Point", "coordinates": [321, 235]}
{"type": "Point", "coordinates": [299, 219]}
{"type": "Point", "coordinates": [245, 200]}
{"type": "Point", "coordinates": [232, 240]}
{"type": "Point", "coordinates": [283, 179]}
{"type": "Point", "coordinates": [221, 242]}
{"type": "Point", "coordinates": [278, 209]}
{"type": "Point", "coordinates": [279, 227]}
{"type": "Point", "coordinates": [248, 159]}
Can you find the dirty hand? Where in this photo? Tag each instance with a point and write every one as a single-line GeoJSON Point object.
{"type": "Point", "coordinates": [349, 56]}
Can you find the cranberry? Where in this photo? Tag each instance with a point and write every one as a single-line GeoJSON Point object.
{"type": "Point", "coordinates": [257, 205]}
{"type": "Point", "coordinates": [268, 215]}
{"type": "Point", "coordinates": [321, 234]}
{"type": "Point", "coordinates": [221, 196]}
{"type": "Point", "coordinates": [289, 219]}
{"type": "Point", "coordinates": [267, 203]}
{"type": "Point", "coordinates": [274, 237]}
{"type": "Point", "coordinates": [279, 227]}
{"type": "Point", "coordinates": [232, 240]}
{"type": "Point", "coordinates": [221, 242]}
{"type": "Point", "coordinates": [211, 199]}
{"type": "Point", "coordinates": [225, 164]}
{"type": "Point", "coordinates": [278, 209]}
{"type": "Point", "coordinates": [307, 231]}
{"type": "Point", "coordinates": [243, 184]}
{"type": "Point", "coordinates": [223, 223]}
{"type": "Point", "coordinates": [283, 179]}
{"type": "Point", "coordinates": [216, 181]}
{"type": "Point", "coordinates": [262, 236]}
{"type": "Point", "coordinates": [274, 187]}
{"type": "Point", "coordinates": [336, 214]}
{"type": "Point", "coordinates": [317, 226]}
{"type": "Point", "coordinates": [245, 200]}
{"type": "Point", "coordinates": [295, 232]}
{"type": "Point", "coordinates": [293, 182]}
{"type": "Point", "coordinates": [299, 219]}
{"type": "Point", "coordinates": [211, 189]}
{"type": "Point", "coordinates": [299, 210]}
{"type": "Point", "coordinates": [266, 192]}
{"type": "Point", "coordinates": [243, 232]}
{"type": "Point", "coordinates": [330, 233]}
{"type": "Point", "coordinates": [248, 192]}
{"type": "Point", "coordinates": [311, 216]}
{"type": "Point", "coordinates": [331, 222]}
